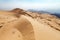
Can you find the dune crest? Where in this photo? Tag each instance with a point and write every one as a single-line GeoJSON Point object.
{"type": "Point", "coordinates": [19, 24]}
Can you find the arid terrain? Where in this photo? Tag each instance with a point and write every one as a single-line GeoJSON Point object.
{"type": "Point", "coordinates": [18, 24]}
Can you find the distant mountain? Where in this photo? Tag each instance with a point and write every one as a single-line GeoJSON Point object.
{"type": "Point", "coordinates": [57, 14]}
{"type": "Point", "coordinates": [39, 11]}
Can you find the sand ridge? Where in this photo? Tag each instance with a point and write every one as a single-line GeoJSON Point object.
{"type": "Point", "coordinates": [19, 24]}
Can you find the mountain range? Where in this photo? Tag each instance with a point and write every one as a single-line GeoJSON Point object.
{"type": "Point", "coordinates": [56, 13]}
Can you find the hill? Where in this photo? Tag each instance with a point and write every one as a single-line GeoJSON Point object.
{"type": "Point", "coordinates": [19, 24]}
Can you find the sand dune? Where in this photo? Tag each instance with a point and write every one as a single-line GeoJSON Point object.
{"type": "Point", "coordinates": [19, 24]}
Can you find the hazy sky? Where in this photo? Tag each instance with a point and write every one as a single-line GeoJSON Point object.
{"type": "Point", "coordinates": [30, 4]}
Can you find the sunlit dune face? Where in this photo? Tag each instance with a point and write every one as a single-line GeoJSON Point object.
{"type": "Point", "coordinates": [24, 25]}
{"type": "Point", "coordinates": [6, 17]}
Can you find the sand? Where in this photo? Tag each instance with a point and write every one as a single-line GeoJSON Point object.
{"type": "Point", "coordinates": [28, 26]}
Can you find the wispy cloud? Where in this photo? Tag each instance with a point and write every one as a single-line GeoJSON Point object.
{"type": "Point", "coordinates": [27, 4]}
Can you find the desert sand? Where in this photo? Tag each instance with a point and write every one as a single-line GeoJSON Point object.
{"type": "Point", "coordinates": [19, 24]}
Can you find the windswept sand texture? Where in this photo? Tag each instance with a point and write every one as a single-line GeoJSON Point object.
{"type": "Point", "coordinates": [24, 25]}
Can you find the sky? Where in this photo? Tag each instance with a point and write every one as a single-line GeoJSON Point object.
{"type": "Point", "coordinates": [30, 4]}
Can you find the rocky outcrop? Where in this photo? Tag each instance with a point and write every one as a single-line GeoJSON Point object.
{"type": "Point", "coordinates": [25, 25]}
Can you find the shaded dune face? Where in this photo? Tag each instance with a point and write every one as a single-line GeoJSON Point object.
{"type": "Point", "coordinates": [23, 26]}
{"type": "Point", "coordinates": [18, 12]}
{"type": "Point", "coordinates": [26, 28]}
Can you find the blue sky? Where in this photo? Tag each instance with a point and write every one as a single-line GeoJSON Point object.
{"type": "Point", "coordinates": [30, 4]}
